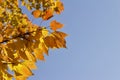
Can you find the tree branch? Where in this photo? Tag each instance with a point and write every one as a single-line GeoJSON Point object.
{"type": "Point", "coordinates": [20, 35]}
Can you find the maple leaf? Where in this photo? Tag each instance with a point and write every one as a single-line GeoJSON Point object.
{"type": "Point", "coordinates": [55, 25]}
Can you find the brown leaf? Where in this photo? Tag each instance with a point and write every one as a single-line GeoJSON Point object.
{"type": "Point", "coordinates": [50, 42]}
{"type": "Point", "coordinates": [59, 39]}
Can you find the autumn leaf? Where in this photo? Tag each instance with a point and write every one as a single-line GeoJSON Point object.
{"type": "Point", "coordinates": [59, 39]}
{"type": "Point", "coordinates": [59, 7]}
{"type": "Point", "coordinates": [50, 42]}
{"type": "Point", "coordinates": [30, 56]}
{"type": "Point", "coordinates": [44, 48]}
{"type": "Point", "coordinates": [47, 14]}
{"type": "Point", "coordinates": [30, 64]}
{"type": "Point", "coordinates": [56, 40]}
{"type": "Point", "coordinates": [36, 13]}
{"type": "Point", "coordinates": [39, 54]}
{"type": "Point", "coordinates": [44, 32]}
{"type": "Point", "coordinates": [60, 34]}
{"type": "Point", "coordinates": [22, 55]}
{"type": "Point", "coordinates": [55, 25]}
{"type": "Point", "coordinates": [22, 69]}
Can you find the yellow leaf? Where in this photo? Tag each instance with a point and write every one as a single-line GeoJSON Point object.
{"type": "Point", "coordinates": [30, 56]}
{"type": "Point", "coordinates": [59, 7]}
{"type": "Point", "coordinates": [7, 76]}
{"type": "Point", "coordinates": [39, 54]}
{"type": "Point", "coordinates": [55, 25]}
{"type": "Point", "coordinates": [44, 32]}
{"type": "Point", "coordinates": [44, 48]}
{"type": "Point", "coordinates": [30, 64]}
{"type": "Point", "coordinates": [24, 21]}
{"type": "Point", "coordinates": [36, 13]}
{"type": "Point", "coordinates": [22, 69]}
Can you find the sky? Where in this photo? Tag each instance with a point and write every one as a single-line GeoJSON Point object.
{"type": "Point", "coordinates": [93, 44]}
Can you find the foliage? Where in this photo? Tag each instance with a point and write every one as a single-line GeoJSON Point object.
{"type": "Point", "coordinates": [22, 43]}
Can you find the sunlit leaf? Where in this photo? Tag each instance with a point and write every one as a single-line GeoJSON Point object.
{"type": "Point", "coordinates": [39, 54]}
{"type": "Point", "coordinates": [55, 25]}
{"type": "Point", "coordinates": [30, 64]}
{"type": "Point", "coordinates": [22, 69]}
{"type": "Point", "coordinates": [44, 32]}
{"type": "Point", "coordinates": [30, 56]}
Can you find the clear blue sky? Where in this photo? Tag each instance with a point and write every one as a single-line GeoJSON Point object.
{"type": "Point", "coordinates": [93, 43]}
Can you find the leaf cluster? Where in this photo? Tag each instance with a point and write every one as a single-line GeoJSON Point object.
{"type": "Point", "coordinates": [22, 43]}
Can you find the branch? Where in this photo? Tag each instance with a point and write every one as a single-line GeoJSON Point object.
{"type": "Point", "coordinates": [20, 35]}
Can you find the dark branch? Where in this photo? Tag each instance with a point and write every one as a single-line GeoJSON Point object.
{"type": "Point", "coordinates": [19, 36]}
